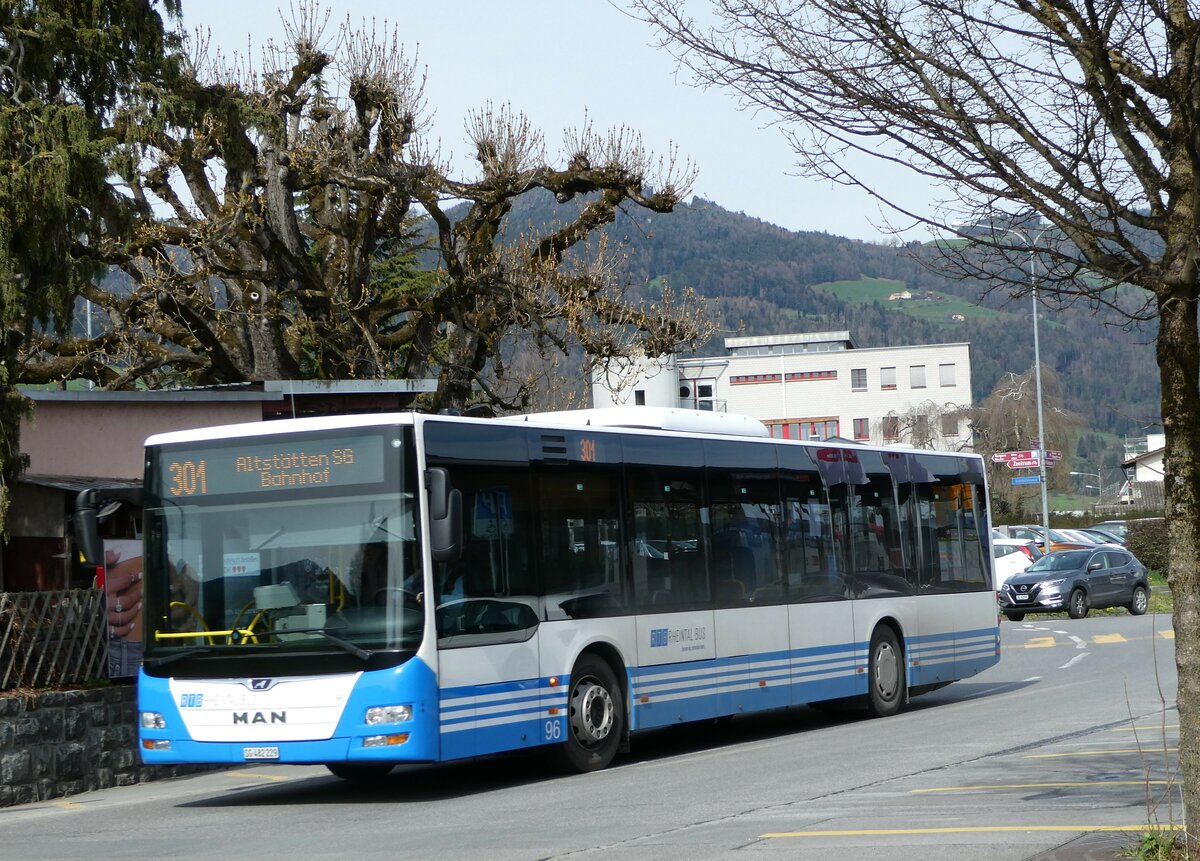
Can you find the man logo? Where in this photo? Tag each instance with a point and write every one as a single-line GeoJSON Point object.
{"type": "Point", "coordinates": [260, 684]}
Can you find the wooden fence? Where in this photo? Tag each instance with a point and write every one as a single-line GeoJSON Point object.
{"type": "Point", "coordinates": [49, 639]}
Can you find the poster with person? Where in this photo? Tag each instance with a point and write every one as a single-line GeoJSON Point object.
{"type": "Point", "coordinates": [123, 603]}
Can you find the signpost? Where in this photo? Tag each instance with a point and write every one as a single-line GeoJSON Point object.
{"type": "Point", "coordinates": [1030, 459]}
{"type": "Point", "coordinates": [1027, 479]}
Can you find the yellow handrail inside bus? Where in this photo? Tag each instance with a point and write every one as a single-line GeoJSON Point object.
{"type": "Point", "coordinates": [195, 615]}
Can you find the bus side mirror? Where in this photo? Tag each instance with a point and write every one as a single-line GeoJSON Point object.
{"type": "Point", "coordinates": [88, 505]}
{"type": "Point", "coordinates": [445, 516]}
{"type": "Point", "coordinates": [87, 529]}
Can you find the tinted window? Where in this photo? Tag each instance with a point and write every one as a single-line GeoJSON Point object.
{"type": "Point", "coordinates": [668, 539]}
{"type": "Point", "coordinates": [814, 562]}
{"type": "Point", "coordinates": [490, 594]}
{"type": "Point", "coordinates": [580, 534]}
{"type": "Point", "coordinates": [744, 504]}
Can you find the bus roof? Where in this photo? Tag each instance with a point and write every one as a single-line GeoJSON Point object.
{"type": "Point", "coordinates": [651, 418]}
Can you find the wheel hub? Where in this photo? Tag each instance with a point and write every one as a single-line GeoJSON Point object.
{"type": "Point", "coordinates": [887, 671]}
{"type": "Point", "coordinates": [591, 712]}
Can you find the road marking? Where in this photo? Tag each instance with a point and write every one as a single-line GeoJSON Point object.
{"type": "Point", "coordinates": [1074, 660]}
{"type": "Point", "coordinates": [1043, 785]}
{"type": "Point", "coordinates": [1101, 752]}
{"type": "Point", "coordinates": [1147, 728]}
{"type": "Point", "coordinates": [67, 805]}
{"type": "Point", "coordinates": [1108, 638]}
{"type": "Point", "coordinates": [1040, 643]}
{"type": "Point", "coordinates": [973, 829]}
{"type": "Point", "coordinates": [1167, 635]}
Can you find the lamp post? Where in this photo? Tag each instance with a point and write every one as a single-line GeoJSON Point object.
{"type": "Point", "coordinates": [1099, 481]}
{"type": "Point", "coordinates": [1037, 372]}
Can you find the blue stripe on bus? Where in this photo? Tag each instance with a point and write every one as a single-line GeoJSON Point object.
{"type": "Point", "coordinates": [516, 714]}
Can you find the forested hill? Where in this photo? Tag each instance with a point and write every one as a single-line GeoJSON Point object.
{"type": "Point", "coordinates": [762, 279]}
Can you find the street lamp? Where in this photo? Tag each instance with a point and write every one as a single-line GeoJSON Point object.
{"type": "Point", "coordinates": [1037, 370]}
{"type": "Point", "coordinates": [1094, 475]}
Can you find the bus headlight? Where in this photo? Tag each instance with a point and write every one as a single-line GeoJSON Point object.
{"type": "Point", "coordinates": [153, 720]}
{"type": "Point", "coordinates": [389, 714]}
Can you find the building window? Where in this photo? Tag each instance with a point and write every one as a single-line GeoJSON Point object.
{"type": "Point", "coordinates": [862, 428]}
{"type": "Point", "coordinates": [858, 379]}
{"type": "Point", "coordinates": [802, 429]}
{"type": "Point", "coordinates": [946, 375]}
{"type": "Point", "coordinates": [887, 378]}
{"type": "Point", "coordinates": [891, 427]}
{"type": "Point", "coordinates": [916, 376]}
{"type": "Point", "coordinates": [949, 425]}
{"type": "Point", "coordinates": [921, 429]}
{"type": "Point", "coordinates": [639, 397]}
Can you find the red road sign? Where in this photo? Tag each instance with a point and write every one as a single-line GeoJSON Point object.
{"type": "Point", "coordinates": [1009, 456]}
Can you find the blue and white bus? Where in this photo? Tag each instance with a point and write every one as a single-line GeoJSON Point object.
{"type": "Point", "coordinates": [371, 590]}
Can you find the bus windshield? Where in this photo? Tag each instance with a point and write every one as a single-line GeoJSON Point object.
{"type": "Point", "coordinates": [283, 542]}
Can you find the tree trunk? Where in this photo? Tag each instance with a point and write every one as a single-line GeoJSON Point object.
{"type": "Point", "coordinates": [1179, 365]}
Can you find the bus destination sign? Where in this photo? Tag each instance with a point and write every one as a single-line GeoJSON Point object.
{"type": "Point", "coordinates": [283, 463]}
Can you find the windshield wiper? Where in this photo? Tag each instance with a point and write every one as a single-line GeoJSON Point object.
{"type": "Point", "coordinates": [154, 663]}
{"type": "Point", "coordinates": [345, 645]}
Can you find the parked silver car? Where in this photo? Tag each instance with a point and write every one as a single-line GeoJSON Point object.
{"type": "Point", "coordinates": [1076, 581]}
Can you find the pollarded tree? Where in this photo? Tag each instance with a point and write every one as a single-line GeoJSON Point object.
{"type": "Point", "coordinates": [1064, 133]}
{"type": "Point", "coordinates": [277, 228]}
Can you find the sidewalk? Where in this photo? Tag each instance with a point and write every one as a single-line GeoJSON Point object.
{"type": "Point", "coordinates": [1097, 846]}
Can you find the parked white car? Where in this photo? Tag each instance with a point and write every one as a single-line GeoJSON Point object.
{"type": "Point", "coordinates": [1011, 556]}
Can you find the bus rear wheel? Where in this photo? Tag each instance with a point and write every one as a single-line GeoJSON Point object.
{"type": "Point", "coordinates": [359, 770]}
{"type": "Point", "coordinates": [885, 674]}
{"type": "Point", "coordinates": [595, 716]}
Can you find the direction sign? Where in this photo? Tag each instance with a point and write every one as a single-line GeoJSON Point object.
{"type": "Point", "coordinates": [1027, 463]}
{"type": "Point", "coordinates": [1006, 456]}
{"type": "Point", "coordinates": [1027, 479]}
{"type": "Point", "coordinates": [1053, 455]}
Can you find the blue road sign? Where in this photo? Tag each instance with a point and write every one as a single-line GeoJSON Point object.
{"type": "Point", "coordinates": [1027, 479]}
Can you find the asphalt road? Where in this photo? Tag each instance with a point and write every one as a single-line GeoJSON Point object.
{"type": "Point", "coordinates": [1065, 737]}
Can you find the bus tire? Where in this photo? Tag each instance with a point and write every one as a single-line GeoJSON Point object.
{"type": "Point", "coordinates": [360, 770]}
{"type": "Point", "coordinates": [595, 717]}
{"type": "Point", "coordinates": [885, 674]}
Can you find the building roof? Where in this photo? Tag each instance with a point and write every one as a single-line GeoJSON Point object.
{"type": "Point", "coordinates": [265, 390]}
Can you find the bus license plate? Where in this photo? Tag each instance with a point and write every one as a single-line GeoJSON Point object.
{"type": "Point", "coordinates": [260, 752]}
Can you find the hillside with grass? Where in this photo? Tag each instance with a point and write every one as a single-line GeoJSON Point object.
{"type": "Point", "coordinates": [760, 279]}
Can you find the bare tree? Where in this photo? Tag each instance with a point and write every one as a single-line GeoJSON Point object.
{"type": "Point", "coordinates": [1007, 421]}
{"type": "Point", "coordinates": [1066, 130]}
{"type": "Point", "coordinates": [924, 425]}
{"type": "Point", "coordinates": [278, 221]}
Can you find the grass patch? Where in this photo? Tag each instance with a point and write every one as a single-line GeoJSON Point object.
{"type": "Point", "coordinates": [924, 304]}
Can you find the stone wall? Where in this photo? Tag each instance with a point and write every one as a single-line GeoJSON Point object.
{"type": "Point", "coordinates": [62, 743]}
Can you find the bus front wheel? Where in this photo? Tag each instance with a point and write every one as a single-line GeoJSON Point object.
{"type": "Point", "coordinates": [595, 716]}
{"type": "Point", "coordinates": [885, 673]}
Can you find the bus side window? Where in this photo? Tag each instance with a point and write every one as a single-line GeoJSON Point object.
{"type": "Point", "coordinates": [668, 557]}
{"type": "Point", "coordinates": [492, 589]}
{"type": "Point", "coordinates": [580, 543]}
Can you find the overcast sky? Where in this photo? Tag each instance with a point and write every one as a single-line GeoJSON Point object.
{"type": "Point", "coordinates": [554, 61]}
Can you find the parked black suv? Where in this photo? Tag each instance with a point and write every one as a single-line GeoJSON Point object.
{"type": "Point", "coordinates": [1076, 581]}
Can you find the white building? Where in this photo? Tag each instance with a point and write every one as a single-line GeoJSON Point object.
{"type": "Point", "coordinates": [815, 385]}
{"type": "Point", "coordinates": [1144, 473]}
